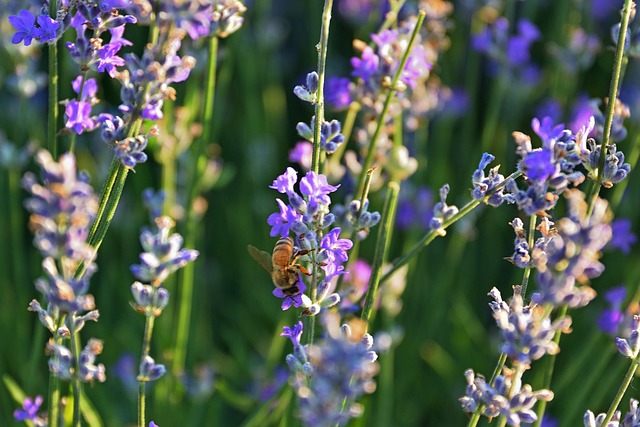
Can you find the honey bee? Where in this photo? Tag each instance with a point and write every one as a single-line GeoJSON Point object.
{"type": "Point", "coordinates": [281, 264]}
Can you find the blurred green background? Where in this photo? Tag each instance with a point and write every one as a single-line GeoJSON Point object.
{"type": "Point", "coordinates": [445, 324]}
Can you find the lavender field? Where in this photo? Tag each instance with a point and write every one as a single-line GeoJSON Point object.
{"type": "Point", "coordinates": [319, 213]}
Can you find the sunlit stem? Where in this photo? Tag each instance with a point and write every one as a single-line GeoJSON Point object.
{"type": "Point", "coordinates": [52, 122]}
{"type": "Point", "coordinates": [319, 104]}
{"type": "Point", "coordinates": [393, 87]}
{"type": "Point", "coordinates": [382, 247]}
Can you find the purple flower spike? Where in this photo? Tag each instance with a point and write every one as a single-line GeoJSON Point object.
{"type": "Point", "coordinates": [623, 237]}
{"type": "Point", "coordinates": [24, 23]}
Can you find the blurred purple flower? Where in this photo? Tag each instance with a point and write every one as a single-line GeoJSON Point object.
{"type": "Point", "coordinates": [366, 66]}
{"type": "Point", "coordinates": [29, 409]}
{"type": "Point", "coordinates": [301, 154]}
{"type": "Point", "coordinates": [623, 237]}
{"type": "Point", "coordinates": [613, 316]}
{"type": "Point", "coordinates": [337, 92]}
{"type": "Point", "coordinates": [546, 129]}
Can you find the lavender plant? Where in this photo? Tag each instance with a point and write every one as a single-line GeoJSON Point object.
{"type": "Point", "coordinates": [385, 229]}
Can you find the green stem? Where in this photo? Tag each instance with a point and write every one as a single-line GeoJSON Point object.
{"type": "Point", "coordinates": [54, 400]}
{"type": "Point", "coordinates": [392, 15]}
{"type": "Point", "coordinates": [431, 235]}
{"type": "Point", "coordinates": [52, 122]}
{"type": "Point", "coordinates": [199, 161]}
{"type": "Point", "coordinates": [319, 105]}
{"type": "Point", "coordinates": [76, 385]}
{"type": "Point", "coordinates": [621, 391]}
{"type": "Point", "coordinates": [146, 345]}
{"type": "Point", "coordinates": [319, 119]}
{"type": "Point", "coordinates": [527, 271]}
{"type": "Point", "coordinates": [393, 87]}
{"type": "Point", "coordinates": [548, 371]}
{"type": "Point", "coordinates": [613, 87]}
{"type": "Point", "coordinates": [382, 247]}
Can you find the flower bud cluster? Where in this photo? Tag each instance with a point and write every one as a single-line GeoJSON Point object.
{"type": "Point", "coordinates": [61, 362]}
{"type": "Point", "coordinates": [514, 401]}
{"type": "Point", "coordinates": [62, 208]}
{"type": "Point", "coordinates": [526, 332]}
{"type": "Point", "coordinates": [356, 217]}
{"type": "Point", "coordinates": [549, 170]}
{"type": "Point", "coordinates": [483, 184]}
{"type": "Point", "coordinates": [163, 253]}
{"type": "Point", "coordinates": [572, 254]}
{"type": "Point", "coordinates": [150, 370]}
{"type": "Point", "coordinates": [615, 169]}
{"type": "Point", "coordinates": [630, 346]}
{"type": "Point", "coordinates": [340, 367]}
{"type": "Point", "coordinates": [442, 212]}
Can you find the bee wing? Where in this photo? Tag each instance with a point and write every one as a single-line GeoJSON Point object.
{"type": "Point", "coordinates": [261, 257]}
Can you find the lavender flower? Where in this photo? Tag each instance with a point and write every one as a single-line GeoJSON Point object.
{"type": "Point", "coordinates": [330, 134]}
{"type": "Point", "coordinates": [307, 92]}
{"type": "Point", "coordinates": [630, 346]}
{"type": "Point", "coordinates": [571, 255]}
{"type": "Point", "coordinates": [514, 401]}
{"type": "Point", "coordinates": [62, 209]}
{"type": "Point", "coordinates": [356, 217]}
{"type": "Point", "coordinates": [483, 184]}
{"type": "Point", "coordinates": [301, 154]}
{"type": "Point", "coordinates": [297, 300]}
{"type": "Point", "coordinates": [527, 333]}
{"type": "Point", "coordinates": [227, 17]}
{"type": "Point", "coordinates": [613, 316]}
{"type": "Point", "coordinates": [150, 370]}
{"type": "Point", "coordinates": [163, 254]}
{"type": "Point", "coordinates": [513, 51]}
{"type": "Point", "coordinates": [25, 24]}
{"type": "Point", "coordinates": [193, 17]}
{"type": "Point", "coordinates": [442, 212]}
{"type": "Point", "coordinates": [342, 370]}
{"type": "Point", "coordinates": [338, 93]}
{"type": "Point", "coordinates": [29, 410]}
{"type": "Point", "coordinates": [622, 236]}
{"type": "Point", "coordinates": [591, 420]}
{"type": "Point", "coordinates": [521, 256]}
{"type": "Point", "coordinates": [88, 371]}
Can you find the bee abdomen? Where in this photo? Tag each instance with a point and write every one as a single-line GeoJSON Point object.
{"type": "Point", "coordinates": [282, 252]}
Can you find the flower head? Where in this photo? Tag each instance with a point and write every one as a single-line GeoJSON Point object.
{"type": "Point", "coordinates": [163, 254]}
